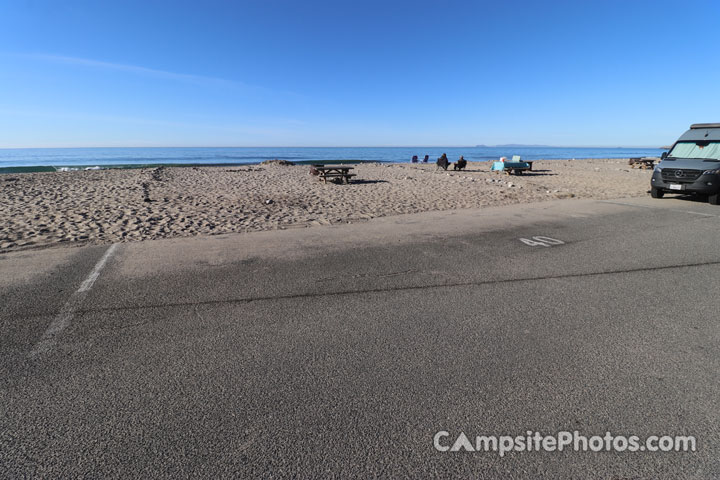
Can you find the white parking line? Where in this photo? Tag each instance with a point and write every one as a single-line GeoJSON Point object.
{"type": "Point", "coordinates": [88, 283]}
{"type": "Point", "coordinates": [63, 319]}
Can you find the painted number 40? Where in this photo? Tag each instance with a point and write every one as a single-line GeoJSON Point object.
{"type": "Point", "coordinates": [541, 241]}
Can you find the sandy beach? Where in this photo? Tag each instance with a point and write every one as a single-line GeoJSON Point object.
{"type": "Point", "coordinates": [107, 206]}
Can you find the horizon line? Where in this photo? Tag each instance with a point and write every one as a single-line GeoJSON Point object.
{"type": "Point", "coordinates": [341, 146]}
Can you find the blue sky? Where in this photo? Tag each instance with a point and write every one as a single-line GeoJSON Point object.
{"type": "Point", "coordinates": [355, 73]}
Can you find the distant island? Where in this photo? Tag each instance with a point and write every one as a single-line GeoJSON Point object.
{"type": "Point", "coordinates": [521, 145]}
{"type": "Point", "coordinates": [514, 145]}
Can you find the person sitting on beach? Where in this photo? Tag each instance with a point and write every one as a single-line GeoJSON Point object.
{"type": "Point", "coordinates": [427, 157]}
{"type": "Point", "coordinates": [460, 164]}
{"type": "Point", "coordinates": [414, 159]}
{"type": "Point", "coordinates": [443, 162]}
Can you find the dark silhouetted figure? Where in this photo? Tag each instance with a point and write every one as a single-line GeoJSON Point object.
{"type": "Point", "coordinates": [443, 162]}
{"type": "Point", "coordinates": [460, 164]}
{"type": "Point", "coordinates": [414, 159]}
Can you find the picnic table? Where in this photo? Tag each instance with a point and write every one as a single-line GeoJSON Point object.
{"type": "Point", "coordinates": [644, 162]}
{"type": "Point", "coordinates": [516, 165]}
{"type": "Point", "coordinates": [332, 172]}
{"type": "Point", "coordinates": [511, 167]}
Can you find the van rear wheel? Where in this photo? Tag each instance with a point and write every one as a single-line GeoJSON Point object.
{"type": "Point", "coordinates": [657, 193]}
{"type": "Point", "coordinates": [714, 199]}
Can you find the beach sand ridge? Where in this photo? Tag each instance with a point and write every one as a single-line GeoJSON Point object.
{"type": "Point", "coordinates": [109, 206]}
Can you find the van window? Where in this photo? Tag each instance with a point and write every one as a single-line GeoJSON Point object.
{"type": "Point", "coordinates": [702, 149]}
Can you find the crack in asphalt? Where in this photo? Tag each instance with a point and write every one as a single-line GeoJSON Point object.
{"type": "Point", "coordinates": [475, 283]}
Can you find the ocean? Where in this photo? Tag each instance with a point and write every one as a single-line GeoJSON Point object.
{"type": "Point", "coordinates": [63, 159]}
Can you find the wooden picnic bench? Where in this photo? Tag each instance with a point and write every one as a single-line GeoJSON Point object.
{"type": "Point", "coordinates": [644, 162]}
{"type": "Point", "coordinates": [332, 172]}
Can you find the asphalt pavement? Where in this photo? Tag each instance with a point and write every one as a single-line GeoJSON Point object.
{"type": "Point", "coordinates": [342, 351]}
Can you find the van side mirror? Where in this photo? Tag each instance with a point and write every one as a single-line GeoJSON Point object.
{"type": "Point", "coordinates": [664, 154]}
